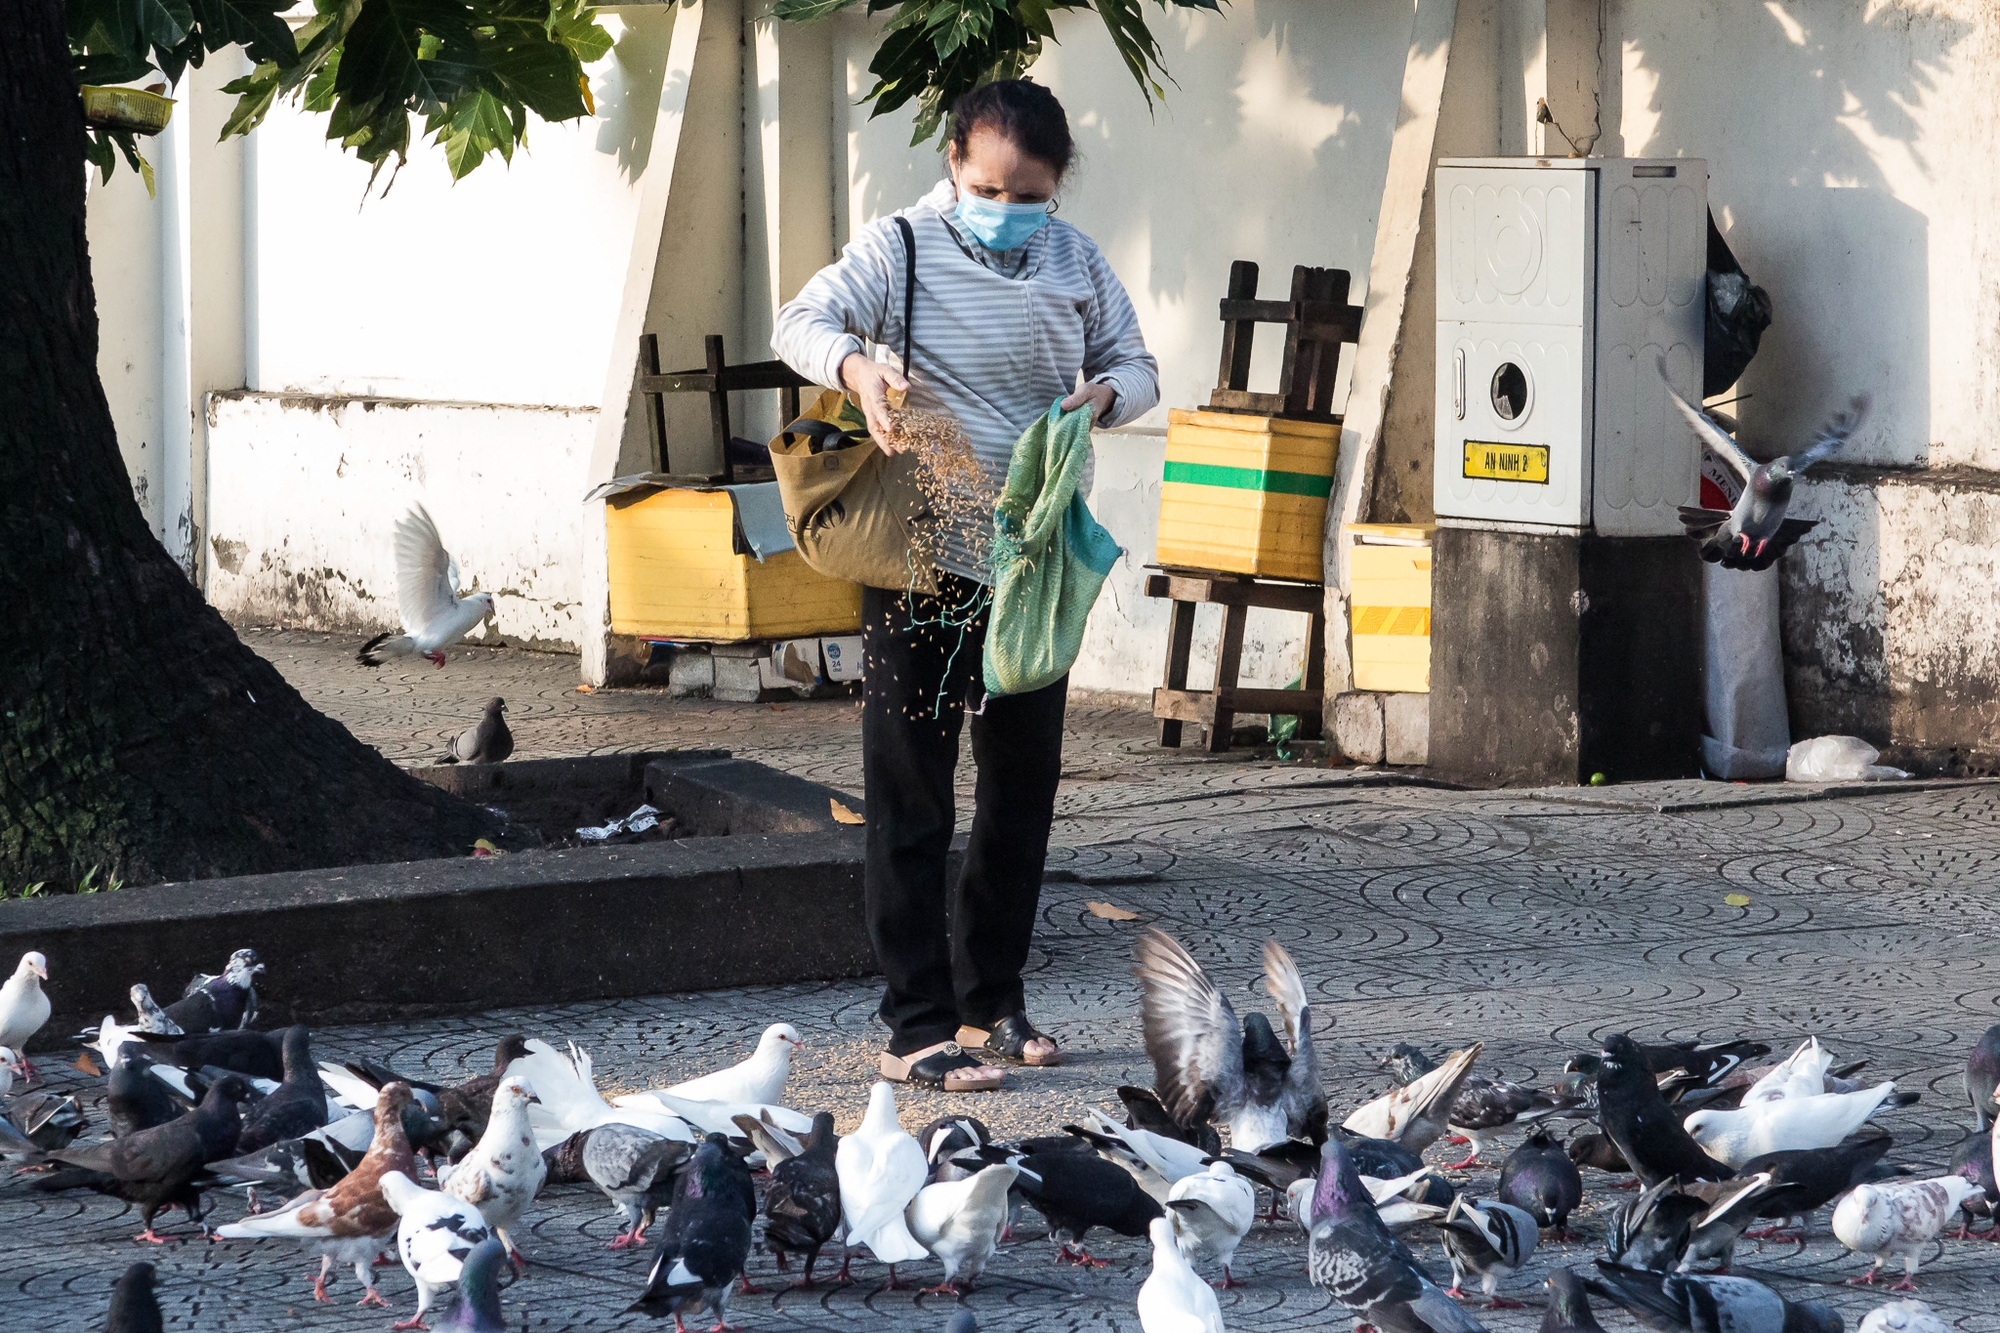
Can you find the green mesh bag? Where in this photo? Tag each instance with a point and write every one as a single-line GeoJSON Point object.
{"type": "Point", "coordinates": [1050, 557]}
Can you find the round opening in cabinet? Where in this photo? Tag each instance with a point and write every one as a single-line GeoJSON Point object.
{"type": "Point", "coordinates": [1511, 393]}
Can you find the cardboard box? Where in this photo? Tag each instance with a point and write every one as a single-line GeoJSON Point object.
{"type": "Point", "coordinates": [845, 656]}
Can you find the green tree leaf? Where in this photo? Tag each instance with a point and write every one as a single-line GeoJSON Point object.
{"type": "Point", "coordinates": [253, 25]}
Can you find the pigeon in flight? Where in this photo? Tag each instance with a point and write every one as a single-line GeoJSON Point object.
{"type": "Point", "coordinates": [1367, 1271]}
{"type": "Point", "coordinates": [1644, 1129]}
{"type": "Point", "coordinates": [434, 615]}
{"type": "Point", "coordinates": [1900, 1217]}
{"type": "Point", "coordinates": [1690, 1303]}
{"type": "Point", "coordinates": [434, 1236]}
{"type": "Point", "coordinates": [217, 1004]}
{"type": "Point", "coordinates": [1174, 1299]}
{"type": "Point", "coordinates": [1790, 1122]}
{"type": "Point", "coordinates": [1756, 532]}
{"type": "Point", "coordinates": [1539, 1178]}
{"type": "Point", "coordinates": [802, 1206]}
{"type": "Point", "coordinates": [1209, 1066]}
{"type": "Point", "coordinates": [24, 1009]}
{"type": "Point", "coordinates": [134, 1307]}
{"type": "Point", "coordinates": [486, 741]}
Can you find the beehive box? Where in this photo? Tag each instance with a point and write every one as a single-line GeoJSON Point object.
{"type": "Point", "coordinates": [1246, 494]}
{"type": "Point", "coordinates": [677, 573]}
{"type": "Point", "coordinates": [1389, 596]}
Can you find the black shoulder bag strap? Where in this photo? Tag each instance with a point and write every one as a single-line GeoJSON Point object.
{"type": "Point", "coordinates": [909, 284]}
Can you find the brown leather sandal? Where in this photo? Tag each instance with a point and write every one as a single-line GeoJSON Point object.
{"type": "Point", "coordinates": [947, 1066]}
{"type": "Point", "coordinates": [1009, 1040]}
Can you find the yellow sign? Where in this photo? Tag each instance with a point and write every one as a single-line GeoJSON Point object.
{"type": "Point", "coordinates": [1507, 462]}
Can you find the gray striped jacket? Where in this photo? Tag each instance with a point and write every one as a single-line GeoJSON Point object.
{"type": "Point", "coordinates": [999, 337]}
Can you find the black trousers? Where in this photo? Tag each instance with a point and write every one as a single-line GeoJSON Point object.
{"type": "Point", "coordinates": [952, 952]}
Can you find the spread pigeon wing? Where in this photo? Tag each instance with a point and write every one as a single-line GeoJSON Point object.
{"type": "Point", "coordinates": [1303, 1096]}
{"type": "Point", "coordinates": [1786, 537]}
{"type": "Point", "coordinates": [1192, 1032]}
{"type": "Point", "coordinates": [1714, 436]}
{"type": "Point", "coordinates": [426, 578]}
{"type": "Point", "coordinates": [1838, 430]}
{"type": "Point", "coordinates": [1700, 523]}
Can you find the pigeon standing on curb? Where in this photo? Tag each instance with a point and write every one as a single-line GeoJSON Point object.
{"type": "Point", "coordinates": [1756, 532]}
{"type": "Point", "coordinates": [152, 1018]}
{"type": "Point", "coordinates": [486, 741]}
{"type": "Point", "coordinates": [434, 616]}
{"type": "Point", "coordinates": [24, 1009]}
{"type": "Point", "coordinates": [219, 1004]}
{"type": "Point", "coordinates": [134, 1307]}
{"type": "Point", "coordinates": [1174, 1298]}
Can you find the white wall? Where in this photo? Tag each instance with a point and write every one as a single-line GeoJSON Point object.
{"type": "Point", "coordinates": [305, 493]}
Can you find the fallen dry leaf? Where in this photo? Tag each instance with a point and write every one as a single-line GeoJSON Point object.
{"type": "Point", "coordinates": [1109, 913]}
{"type": "Point", "coordinates": [87, 1065]}
{"type": "Point", "coordinates": [585, 689]}
{"type": "Point", "coordinates": [485, 848]}
{"type": "Point", "coordinates": [843, 815]}
{"type": "Point", "coordinates": [1737, 899]}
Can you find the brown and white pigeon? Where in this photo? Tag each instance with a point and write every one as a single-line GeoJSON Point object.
{"type": "Point", "coordinates": [1898, 1217]}
{"type": "Point", "coordinates": [351, 1222]}
{"type": "Point", "coordinates": [1756, 532]}
{"type": "Point", "coordinates": [504, 1172]}
{"type": "Point", "coordinates": [486, 741]}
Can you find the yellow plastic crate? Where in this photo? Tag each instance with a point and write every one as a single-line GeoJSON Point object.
{"type": "Point", "coordinates": [676, 574]}
{"type": "Point", "coordinates": [1246, 494]}
{"type": "Point", "coordinates": [1389, 596]}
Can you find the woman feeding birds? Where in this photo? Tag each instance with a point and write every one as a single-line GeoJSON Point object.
{"type": "Point", "coordinates": [1010, 310]}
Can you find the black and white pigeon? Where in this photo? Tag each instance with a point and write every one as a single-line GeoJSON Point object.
{"type": "Point", "coordinates": [1539, 1178]}
{"type": "Point", "coordinates": [434, 616]}
{"type": "Point", "coordinates": [1484, 1107]}
{"type": "Point", "coordinates": [1982, 1076]}
{"type": "Point", "coordinates": [1652, 1230]}
{"type": "Point", "coordinates": [1078, 1191]}
{"type": "Point", "coordinates": [1806, 1179]}
{"type": "Point", "coordinates": [1691, 1303]}
{"type": "Point", "coordinates": [705, 1240]}
{"type": "Point", "coordinates": [435, 1234]}
{"type": "Point", "coordinates": [1682, 1065]}
{"type": "Point", "coordinates": [1489, 1240]}
{"type": "Point", "coordinates": [1756, 532]}
{"type": "Point", "coordinates": [297, 1108]}
{"type": "Point", "coordinates": [486, 741]}
{"type": "Point", "coordinates": [152, 1018]}
{"type": "Point", "coordinates": [1367, 1271]}
{"type": "Point", "coordinates": [635, 1169]}
{"type": "Point", "coordinates": [219, 1003]}
{"type": "Point", "coordinates": [1569, 1306]}
{"type": "Point", "coordinates": [1143, 1110]}
{"type": "Point", "coordinates": [47, 1119]}
{"type": "Point", "coordinates": [1646, 1132]}
{"type": "Point", "coordinates": [251, 1054]}
{"type": "Point", "coordinates": [1209, 1066]}
{"type": "Point", "coordinates": [158, 1167]}
{"type": "Point", "coordinates": [1733, 1205]}
{"type": "Point", "coordinates": [802, 1205]}
{"type": "Point", "coordinates": [134, 1307]}
{"type": "Point", "coordinates": [477, 1309]}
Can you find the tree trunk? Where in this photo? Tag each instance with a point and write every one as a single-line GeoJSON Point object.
{"type": "Point", "coordinates": [142, 737]}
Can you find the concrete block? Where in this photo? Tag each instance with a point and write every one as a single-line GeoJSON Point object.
{"type": "Point", "coordinates": [1406, 728]}
{"type": "Point", "coordinates": [1357, 726]}
{"type": "Point", "coordinates": [735, 796]}
{"type": "Point", "coordinates": [739, 674]}
{"type": "Point", "coordinates": [691, 674]}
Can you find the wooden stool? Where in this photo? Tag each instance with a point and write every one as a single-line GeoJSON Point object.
{"type": "Point", "coordinates": [1216, 709]}
{"type": "Point", "coordinates": [718, 380]}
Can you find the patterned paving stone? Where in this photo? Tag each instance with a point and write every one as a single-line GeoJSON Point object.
{"type": "Point", "coordinates": [1536, 925]}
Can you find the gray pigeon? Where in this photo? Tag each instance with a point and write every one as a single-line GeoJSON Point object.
{"type": "Point", "coordinates": [478, 1307]}
{"type": "Point", "coordinates": [1756, 532]}
{"type": "Point", "coordinates": [1488, 1240]}
{"type": "Point", "coordinates": [1569, 1308]}
{"type": "Point", "coordinates": [1982, 1076]}
{"type": "Point", "coordinates": [134, 1308]}
{"type": "Point", "coordinates": [152, 1018]}
{"type": "Point", "coordinates": [962, 1322]}
{"type": "Point", "coordinates": [486, 741]}
{"type": "Point", "coordinates": [635, 1169]}
{"type": "Point", "coordinates": [1207, 1065]}
{"type": "Point", "coordinates": [1686, 1303]}
{"type": "Point", "coordinates": [1540, 1178]}
{"type": "Point", "coordinates": [1367, 1271]}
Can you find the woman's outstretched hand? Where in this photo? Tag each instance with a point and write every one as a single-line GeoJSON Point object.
{"type": "Point", "coordinates": [870, 382]}
{"type": "Point", "coordinates": [1099, 396]}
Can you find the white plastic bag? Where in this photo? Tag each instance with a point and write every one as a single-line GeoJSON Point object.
{"type": "Point", "coordinates": [1837, 759]}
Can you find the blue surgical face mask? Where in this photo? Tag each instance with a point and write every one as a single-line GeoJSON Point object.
{"type": "Point", "coordinates": [999, 226]}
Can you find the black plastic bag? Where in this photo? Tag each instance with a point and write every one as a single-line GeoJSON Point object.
{"type": "Point", "coordinates": [1738, 313]}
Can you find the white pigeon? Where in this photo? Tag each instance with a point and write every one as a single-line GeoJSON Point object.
{"type": "Point", "coordinates": [1212, 1212]}
{"type": "Point", "coordinates": [569, 1103]}
{"type": "Point", "coordinates": [1790, 1123]}
{"type": "Point", "coordinates": [1903, 1317]}
{"type": "Point", "coordinates": [10, 1066]}
{"type": "Point", "coordinates": [1154, 1160]}
{"type": "Point", "coordinates": [1898, 1217]}
{"type": "Point", "coordinates": [1803, 1074]}
{"type": "Point", "coordinates": [111, 1040]}
{"type": "Point", "coordinates": [880, 1168]}
{"type": "Point", "coordinates": [758, 1080]}
{"type": "Point", "coordinates": [1395, 1200]}
{"type": "Point", "coordinates": [1414, 1115]}
{"type": "Point", "coordinates": [960, 1222]}
{"type": "Point", "coordinates": [435, 1234]}
{"type": "Point", "coordinates": [434, 615]}
{"type": "Point", "coordinates": [23, 1006]}
{"type": "Point", "coordinates": [1174, 1299]}
{"type": "Point", "coordinates": [504, 1171]}
{"type": "Point", "coordinates": [713, 1117]}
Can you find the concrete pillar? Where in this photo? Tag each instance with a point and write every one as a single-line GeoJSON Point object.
{"type": "Point", "coordinates": [217, 209]}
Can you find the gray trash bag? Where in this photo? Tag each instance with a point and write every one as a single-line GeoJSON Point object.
{"type": "Point", "coordinates": [1743, 675]}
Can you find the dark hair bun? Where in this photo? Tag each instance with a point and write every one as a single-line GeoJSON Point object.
{"type": "Point", "coordinates": [1025, 113]}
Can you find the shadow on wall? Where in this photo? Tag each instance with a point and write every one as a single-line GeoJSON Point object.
{"type": "Point", "coordinates": [628, 103]}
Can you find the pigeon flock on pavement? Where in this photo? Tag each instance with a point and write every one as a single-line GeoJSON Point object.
{"type": "Point", "coordinates": [360, 1166]}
